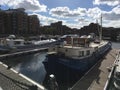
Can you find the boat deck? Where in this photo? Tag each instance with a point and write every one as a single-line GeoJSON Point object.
{"type": "Point", "coordinates": [12, 80]}
{"type": "Point", "coordinates": [97, 76]}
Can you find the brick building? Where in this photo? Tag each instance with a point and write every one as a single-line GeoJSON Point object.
{"type": "Point", "coordinates": [33, 24]}
{"type": "Point", "coordinates": [17, 21]}
{"type": "Point", "coordinates": [2, 27]}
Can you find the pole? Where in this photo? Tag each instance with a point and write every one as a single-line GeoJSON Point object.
{"type": "Point", "coordinates": [101, 28]}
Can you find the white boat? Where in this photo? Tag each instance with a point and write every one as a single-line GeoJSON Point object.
{"type": "Point", "coordinates": [16, 44]}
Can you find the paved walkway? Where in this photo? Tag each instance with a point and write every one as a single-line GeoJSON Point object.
{"type": "Point", "coordinates": [96, 78]}
{"type": "Point", "coordinates": [12, 80]}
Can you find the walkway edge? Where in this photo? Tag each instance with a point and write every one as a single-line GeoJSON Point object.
{"type": "Point", "coordinates": [25, 77]}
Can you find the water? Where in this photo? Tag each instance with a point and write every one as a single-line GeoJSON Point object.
{"type": "Point", "coordinates": [32, 66]}
{"type": "Point", "coordinates": [29, 65]}
{"type": "Point", "coordinates": [116, 45]}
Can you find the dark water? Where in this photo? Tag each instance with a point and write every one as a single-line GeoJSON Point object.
{"type": "Point", "coordinates": [31, 65]}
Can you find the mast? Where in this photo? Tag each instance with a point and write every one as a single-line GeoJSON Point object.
{"type": "Point", "coordinates": [98, 28]}
{"type": "Point", "coordinates": [101, 28]}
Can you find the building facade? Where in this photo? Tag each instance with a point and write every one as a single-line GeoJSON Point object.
{"type": "Point", "coordinates": [17, 21]}
{"type": "Point", "coordinates": [33, 24]}
{"type": "Point", "coordinates": [2, 21]}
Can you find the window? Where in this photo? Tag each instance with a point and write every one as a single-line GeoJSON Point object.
{"type": "Point", "coordinates": [66, 50]}
{"type": "Point", "coordinates": [81, 53]}
{"type": "Point", "coordinates": [88, 52]}
{"type": "Point", "coordinates": [53, 49]}
{"type": "Point", "coordinates": [17, 43]}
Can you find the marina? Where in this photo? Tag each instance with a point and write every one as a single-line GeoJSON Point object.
{"type": "Point", "coordinates": [60, 45]}
{"type": "Point", "coordinates": [32, 67]}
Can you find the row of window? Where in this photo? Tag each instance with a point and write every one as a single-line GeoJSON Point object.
{"type": "Point", "coordinates": [82, 53]}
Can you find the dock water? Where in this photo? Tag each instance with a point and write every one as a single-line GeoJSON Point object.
{"type": "Point", "coordinates": [13, 80]}
{"type": "Point", "coordinates": [97, 76]}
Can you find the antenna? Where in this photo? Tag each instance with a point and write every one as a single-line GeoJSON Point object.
{"type": "Point", "coordinates": [101, 28]}
{"type": "Point", "coordinates": [98, 27]}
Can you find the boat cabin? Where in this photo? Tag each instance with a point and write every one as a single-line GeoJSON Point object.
{"type": "Point", "coordinates": [12, 42]}
{"type": "Point", "coordinates": [77, 41]}
{"type": "Point", "coordinates": [75, 47]}
{"type": "Point", "coordinates": [15, 42]}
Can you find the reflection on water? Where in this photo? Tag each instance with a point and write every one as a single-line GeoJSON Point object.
{"type": "Point", "coordinates": [30, 65]}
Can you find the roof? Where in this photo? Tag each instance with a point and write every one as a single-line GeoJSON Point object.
{"type": "Point", "coordinates": [15, 40]}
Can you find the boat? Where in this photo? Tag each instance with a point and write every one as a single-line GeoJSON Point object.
{"type": "Point", "coordinates": [13, 44]}
{"type": "Point", "coordinates": [76, 55]}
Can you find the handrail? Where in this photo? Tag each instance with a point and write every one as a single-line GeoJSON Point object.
{"type": "Point", "coordinates": [112, 71]}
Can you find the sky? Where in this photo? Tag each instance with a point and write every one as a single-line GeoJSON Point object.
{"type": "Point", "coordinates": [73, 13]}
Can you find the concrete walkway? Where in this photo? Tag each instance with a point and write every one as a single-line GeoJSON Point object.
{"type": "Point", "coordinates": [96, 78]}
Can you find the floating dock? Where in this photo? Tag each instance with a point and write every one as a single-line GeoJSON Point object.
{"type": "Point", "coordinates": [12, 80]}
{"type": "Point", "coordinates": [96, 77]}
{"type": "Point", "coordinates": [11, 55]}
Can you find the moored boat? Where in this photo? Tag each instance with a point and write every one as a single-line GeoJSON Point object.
{"type": "Point", "coordinates": [77, 54]}
{"type": "Point", "coordinates": [13, 44]}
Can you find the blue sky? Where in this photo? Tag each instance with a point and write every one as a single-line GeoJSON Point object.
{"type": "Point", "coordinates": [73, 13]}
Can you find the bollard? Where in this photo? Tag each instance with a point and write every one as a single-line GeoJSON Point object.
{"type": "Point", "coordinates": [53, 85]}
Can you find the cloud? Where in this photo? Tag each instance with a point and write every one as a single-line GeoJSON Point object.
{"type": "Point", "coordinates": [116, 10]}
{"type": "Point", "coordinates": [94, 12]}
{"type": "Point", "coordinates": [81, 17]}
{"type": "Point", "coordinates": [113, 15]}
{"type": "Point", "coordinates": [110, 18]}
{"type": "Point", "coordinates": [29, 5]}
{"type": "Point", "coordinates": [76, 24]}
{"type": "Point", "coordinates": [72, 25]}
{"type": "Point", "coordinates": [44, 19]}
{"type": "Point", "coordinates": [65, 12]}
{"type": "Point", "coordinates": [111, 23]}
{"type": "Point", "coordinates": [48, 20]}
{"type": "Point", "coordinates": [107, 2]}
